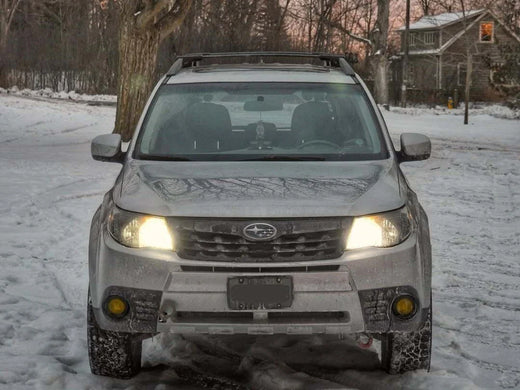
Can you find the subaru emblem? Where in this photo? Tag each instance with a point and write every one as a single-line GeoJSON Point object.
{"type": "Point", "coordinates": [260, 232]}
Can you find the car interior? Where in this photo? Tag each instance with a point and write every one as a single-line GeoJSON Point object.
{"type": "Point", "coordinates": [304, 121]}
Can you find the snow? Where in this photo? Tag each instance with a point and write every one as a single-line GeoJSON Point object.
{"type": "Point", "coordinates": [50, 188]}
{"type": "Point", "coordinates": [414, 51]}
{"type": "Point", "coordinates": [48, 93]}
{"type": "Point", "coordinates": [434, 21]}
{"type": "Point", "coordinates": [494, 110]}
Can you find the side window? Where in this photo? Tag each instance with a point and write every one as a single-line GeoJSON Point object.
{"type": "Point", "coordinates": [486, 31]}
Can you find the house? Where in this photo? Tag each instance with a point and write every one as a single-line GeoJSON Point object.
{"type": "Point", "coordinates": [438, 54]}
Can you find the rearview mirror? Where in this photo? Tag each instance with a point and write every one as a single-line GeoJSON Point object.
{"type": "Point", "coordinates": [414, 147]}
{"type": "Point", "coordinates": [107, 148]}
{"type": "Point", "coordinates": [262, 105]}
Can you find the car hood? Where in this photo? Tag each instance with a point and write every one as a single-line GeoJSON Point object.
{"type": "Point", "coordinates": [258, 189]}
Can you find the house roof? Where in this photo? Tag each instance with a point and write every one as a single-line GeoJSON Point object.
{"type": "Point", "coordinates": [441, 20]}
{"type": "Point", "coordinates": [480, 15]}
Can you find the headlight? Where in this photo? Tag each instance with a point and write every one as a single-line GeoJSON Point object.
{"type": "Point", "coordinates": [380, 230]}
{"type": "Point", "coordinates": [140, 231]}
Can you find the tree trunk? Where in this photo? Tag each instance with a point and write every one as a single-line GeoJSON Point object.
{"type": "Point", "coordinates": [381, 79]}
{"type": "Point", "coordinates": [380, 34]}
{"type": "Point", "coordinates": [141, 30]}
{"type": "Point", "coordinates": [137, 64]}
{"type": "Point", "coordinates": [406, 44]}
{"type": "Point", "coordinates": [469, 71]}
{"type": "Point", "coordinates": [3, 66]}
{"type": "Point", "coordinates": [469, 64]}
{"type": "Point", "coordinates": [3, 54]}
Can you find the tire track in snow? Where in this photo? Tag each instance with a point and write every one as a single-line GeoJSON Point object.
{"type": "Point", "coordinates": [476, 274]}
{"type": "Point", "coordinates": [46, 347]}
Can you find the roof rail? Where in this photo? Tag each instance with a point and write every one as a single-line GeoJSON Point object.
{"type": "Point", "coordinates": [330, 60]}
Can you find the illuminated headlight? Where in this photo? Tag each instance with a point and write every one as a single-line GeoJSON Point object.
{"type": "Point", "coordinates": [140, 231]}
{"type": "Point", "coordinates": [380, 230]}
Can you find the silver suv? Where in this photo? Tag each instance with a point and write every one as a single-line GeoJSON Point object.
{"type": "Point", "coordinates": [260, 196]}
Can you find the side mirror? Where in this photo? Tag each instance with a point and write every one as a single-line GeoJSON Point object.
{"type": "Point", "coordinates": [414, 147]}
{"type": "Point", "coordinates": [107, 148]}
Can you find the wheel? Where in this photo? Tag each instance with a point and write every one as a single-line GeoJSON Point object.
{"type": "Point", "coordinates": [407, 351]}
{"type": "Point", "coordinates": [114, 354]}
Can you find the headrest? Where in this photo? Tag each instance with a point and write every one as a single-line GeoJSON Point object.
{"type": "Point", "coordinates": [208, 119]}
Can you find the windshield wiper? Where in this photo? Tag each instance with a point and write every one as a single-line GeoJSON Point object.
{"type": "Point", "coordinates": [286, 158]}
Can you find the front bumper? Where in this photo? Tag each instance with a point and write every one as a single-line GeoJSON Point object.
{"type": "Point", "coordinates": [350, 294]}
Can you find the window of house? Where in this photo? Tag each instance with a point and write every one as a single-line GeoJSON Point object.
{"type": "Point", "coordinates": [429, 38]}
{"type": "Point", "coordinates": [486, 32]}
{"type": "Point", "coordinates": [412, 39]}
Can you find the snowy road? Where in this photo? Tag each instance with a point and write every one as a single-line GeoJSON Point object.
{"type": "Point", "coordinates": [50, 187]}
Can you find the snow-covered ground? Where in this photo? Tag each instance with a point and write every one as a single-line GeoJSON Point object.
{"type": "Point", "coordinates": [48, 93]}
{"type": "Point", "coordinates": [495, 110]}
{"type": "Point", "coordinates": [50, 187]}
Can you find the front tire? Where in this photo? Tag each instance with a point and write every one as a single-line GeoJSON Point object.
{"type": "Point", "coordinates": [113, 354]}
{"type": "Point", "coordinates": [408, 351]}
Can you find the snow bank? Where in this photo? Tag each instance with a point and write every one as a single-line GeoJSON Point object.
{"type": "Point", "coordinates": [50, 94]}
{"type": "Point", "coordinates": [494, 110]}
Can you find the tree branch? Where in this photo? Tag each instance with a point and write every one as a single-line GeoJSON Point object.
{"type": "Point", "coordinates": [45, 10]}
{"type": "Point", "coordinates": [11, 13]}
{"type": "Point", "coordinates": [350, 34]}
{"type": "Point", "coordinates": [152, 9]}
{"type": "Point", "coordinates": [173, 19]}
{"type": "Point", "coordinates": [284, 14]}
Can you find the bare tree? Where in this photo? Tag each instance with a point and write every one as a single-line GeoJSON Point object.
{"type": "Point", "coordinates": [426, 6]}
{"type": "Point", "coordinates": [406, 44]}
{"type": "Point", "coordinates": [78, 38]}
{"type": "Point", "coordinates": [271, 25]}
{"type": "Point", "coordinates": [469, 64]}
{"type": "Point", "coordinates": [380, 59]}
{"type": "Point", "coordinates": [144, 24]}
{"type": "Point", "coordinates": [8, 9]}
{"type": "Point", "coordinates": [377, 44]}
{"type": "Point", "coordinates": [510, 14]}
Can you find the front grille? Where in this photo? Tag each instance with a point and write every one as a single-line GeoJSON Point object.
{"type": "Point", "coordinates": [296, 240]}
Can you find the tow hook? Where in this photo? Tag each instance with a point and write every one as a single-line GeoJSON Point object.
{"type": "Point", "coordinates": [364, 341]}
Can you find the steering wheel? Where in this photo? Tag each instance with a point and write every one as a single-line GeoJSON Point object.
{"type": "Point", "coordinates": [319, 142]}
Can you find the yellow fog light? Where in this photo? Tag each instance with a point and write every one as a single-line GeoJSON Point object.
{"type": "Point", "coordinates": [116, 306]}
{"type": "Point", "coordinates": [404, 307]}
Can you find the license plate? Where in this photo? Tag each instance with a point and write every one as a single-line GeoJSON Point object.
{"type": "Point", "coordinates": [259, 293]}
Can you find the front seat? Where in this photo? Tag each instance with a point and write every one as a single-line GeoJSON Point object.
{"type": "Point", "coordinates": [209, 126]}
{"type": "Point", "coordinates": [312, 121]}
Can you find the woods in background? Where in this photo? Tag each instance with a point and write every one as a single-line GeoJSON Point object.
{"type": "Point", "coordinates": [60, 44]}
{"type": "Point", "coordinates": [73, 44]}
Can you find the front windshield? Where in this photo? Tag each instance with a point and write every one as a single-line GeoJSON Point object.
{"type": "Point", "coordinates": [260, 121]}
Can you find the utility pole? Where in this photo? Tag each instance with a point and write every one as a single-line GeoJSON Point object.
{"type": "Point", "coordinates": [469, 65]}
{"type": "Point", "coordinates": [467, 87]}
{"type": "Point", "coordinates": [405, 57]}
